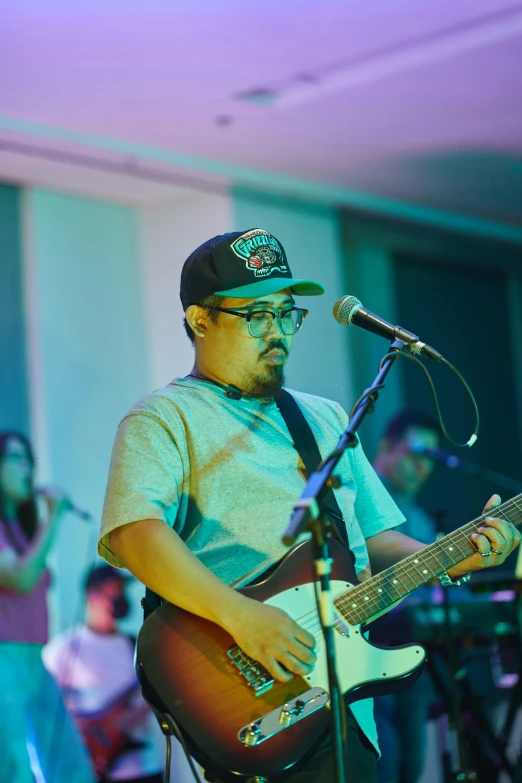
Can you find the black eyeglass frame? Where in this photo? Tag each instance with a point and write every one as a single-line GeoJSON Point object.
{"type": "Point", "coordinates": [277, 314]}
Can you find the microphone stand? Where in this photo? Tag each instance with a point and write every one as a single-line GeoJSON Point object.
{"type": "Point", "coordinates": [308, 515]}
{"type": "Point", "coordinates": [464, 771]}
{"type": "Point", "coordinates": [457, 463]}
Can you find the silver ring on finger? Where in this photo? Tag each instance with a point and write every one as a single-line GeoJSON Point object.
{"type": "Point", "coordinates": [496, 552]}
{"type": "Point", "coordinates": [486, 554]}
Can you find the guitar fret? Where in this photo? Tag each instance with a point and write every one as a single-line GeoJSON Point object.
{"type": "Point", "coordinates": [414, 564]}
{"type": "Point", "coordinates": [355, 604]}
{"type": "Point", "coordinates": [404, 569]}
{"type": "Point", "coordinates": [442, 562]}
{"type": "Point", "coordinates": [363, 601]}
{"type": "Point", "coordinates": [454, 554]}
{"type": "Point", "coordinates": [463, 550]}
{"type": "Point", "coordinates": [350, 603]}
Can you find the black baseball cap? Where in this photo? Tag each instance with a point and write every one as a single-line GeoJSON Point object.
{"type": "Point", "coordinates": [240, 264]}
{"type": "Point", "coordinates": [104, 573]}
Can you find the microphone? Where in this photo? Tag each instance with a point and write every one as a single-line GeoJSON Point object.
{"type": "Point", "coordinates": [349, 310]}
{"type": "Point", "coordinates": [451, 461]}
{"type": "Point", "coordinates": [51, 492]}
{"type": "Point", "coordinates": [444, 457]}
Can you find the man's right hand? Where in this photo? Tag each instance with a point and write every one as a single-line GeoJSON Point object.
{"type": "Point", "coordinates": [270, 636]}
{"type": "Point", "coordinates": [157, 556]}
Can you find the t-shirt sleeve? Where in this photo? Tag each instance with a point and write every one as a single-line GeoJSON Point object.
{"type": "Point", "coordinates": [145, 477]}
{"type": "Point", "coordinates": [374, 507]}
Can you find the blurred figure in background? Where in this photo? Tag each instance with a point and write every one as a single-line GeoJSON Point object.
{"type": "Point", "coordinates": [37, 735]}
{"type": "Point", "coordinates": [402, 718]}
{"type": "Point", "coordinates": [94, 666]}
{"type": "Point", "coordinates": [404, 472]}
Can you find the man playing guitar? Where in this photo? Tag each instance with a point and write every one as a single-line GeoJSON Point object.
{"type": "Point", "coordinates": [204, 476]}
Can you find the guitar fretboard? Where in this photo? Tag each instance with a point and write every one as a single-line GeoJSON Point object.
{"type": "Point", "coordinates": [360, 603]}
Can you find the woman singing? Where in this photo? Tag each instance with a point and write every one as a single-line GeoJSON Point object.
{"type": "Point", "coordinates": [37, 736]}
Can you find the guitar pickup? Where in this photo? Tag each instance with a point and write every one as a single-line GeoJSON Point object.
{"type": "Point", "coordinates": [258, 678]}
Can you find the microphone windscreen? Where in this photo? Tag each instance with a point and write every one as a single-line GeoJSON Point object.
{"type": "Point", "coordinates": [417, 446]}
{"type": "Point", "coordinates": [345, 308]}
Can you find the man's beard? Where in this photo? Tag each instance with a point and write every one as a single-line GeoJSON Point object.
{"type": "Point", "coordinates": [268, 383]}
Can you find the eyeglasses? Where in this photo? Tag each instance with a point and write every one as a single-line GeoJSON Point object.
{"type": "Point", "coordinates": [17, 459]}
{"type": "Point", "coordinates": [260, 322]}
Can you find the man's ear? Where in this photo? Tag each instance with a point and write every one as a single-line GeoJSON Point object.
{"type": "Point", "coordinates": [197, 318]}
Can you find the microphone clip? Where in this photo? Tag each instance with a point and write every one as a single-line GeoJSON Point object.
{"type": "Point", "coordinates": [233, 393]}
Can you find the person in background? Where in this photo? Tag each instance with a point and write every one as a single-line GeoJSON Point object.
{"type": "Point", "coordinates": [93, 665]}
{"type": "Point", "coordinates": [404, 471]}
{"type": "Point", "coordinates": [37, 736]}
{"type": "Point", "coordinates": [402, 718]}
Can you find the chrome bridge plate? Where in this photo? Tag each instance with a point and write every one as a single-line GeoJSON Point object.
{"type": "Point", "coordinates": [259, 679]}
{"type": "Point", "coordinates": [282, 717]}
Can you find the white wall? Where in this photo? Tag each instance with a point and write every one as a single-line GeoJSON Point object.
{"type": "Point", "coordinates": [169, 233]}
{"type": "Point", "coordinates": [104, 327]}
{"type": "Point", "coordinates": [87, 363]}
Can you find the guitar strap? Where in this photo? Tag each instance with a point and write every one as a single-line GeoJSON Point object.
{"type": "Point", "coordinates": [307, 448]}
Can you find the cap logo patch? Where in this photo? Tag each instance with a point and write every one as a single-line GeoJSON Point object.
{"type": "Point", "coordinates": [261, 252]}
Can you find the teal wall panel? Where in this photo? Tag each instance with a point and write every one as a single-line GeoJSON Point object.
{"type": "Point", "coordinates": [90, 355]}
{"type": "Point", "coordinates": [14, 408]}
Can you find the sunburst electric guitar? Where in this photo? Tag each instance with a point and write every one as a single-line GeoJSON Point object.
{"type": "Point", "coordinates": [233, 713]}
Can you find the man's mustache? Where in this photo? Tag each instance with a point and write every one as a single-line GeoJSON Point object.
{"type": "Point", "coordinates": [276, 345]}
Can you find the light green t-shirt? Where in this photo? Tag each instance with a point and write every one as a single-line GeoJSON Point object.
{"type": "Point", "coordinates": [225, 475]}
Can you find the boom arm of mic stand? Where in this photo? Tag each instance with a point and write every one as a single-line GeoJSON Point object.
{"type": "Point", "coordinates": [308, 506]}
{"type": "Point", "coordinates": [485, 474]}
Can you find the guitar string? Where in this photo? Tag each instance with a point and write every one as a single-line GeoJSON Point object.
{"type": "Point", "coordinates": [309, 620]}
{"type": "Point", "coordinates": [428, 552]}
{"type": "Point", "coordinates": [378, 604]}
{"type": "Point", "coordinates": [392, 580]}
{"type": "Point", "coordinates": [461, 534]}
{"type": "Point", "coordinates": [395, 575]}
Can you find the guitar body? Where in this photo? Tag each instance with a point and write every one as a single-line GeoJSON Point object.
{"type": "Point", "coordinates": [185, 661]}
{"type": "Point", "coordinates": [104, 738]}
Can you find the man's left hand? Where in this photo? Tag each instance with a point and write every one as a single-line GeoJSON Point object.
{"type": "Point", "coordinates": [494, 542]}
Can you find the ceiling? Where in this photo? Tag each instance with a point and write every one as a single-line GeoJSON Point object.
{"type": "Point", "coordinates": [362, 102]}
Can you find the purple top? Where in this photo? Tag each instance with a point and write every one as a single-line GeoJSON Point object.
{"type": "Point", "coordinates": [23, 616]}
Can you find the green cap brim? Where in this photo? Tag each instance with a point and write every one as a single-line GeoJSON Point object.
{"type": "Point", "coordinates": [272, 286]}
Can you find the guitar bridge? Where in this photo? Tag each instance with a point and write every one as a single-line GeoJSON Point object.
{"type": "Point", "coordinates": [259, 679]}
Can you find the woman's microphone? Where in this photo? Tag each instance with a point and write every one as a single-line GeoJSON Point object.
{"type": "Point", "coordinates": [53, 494]}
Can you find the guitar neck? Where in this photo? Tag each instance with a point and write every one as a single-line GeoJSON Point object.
{"type": "Point", "coordinates": [377, 594]}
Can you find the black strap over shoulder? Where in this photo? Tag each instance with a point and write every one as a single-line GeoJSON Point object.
{"type": "Point", "coordinates": [308, 450]}
{"type": "Point", "coordinates": [150, 602]}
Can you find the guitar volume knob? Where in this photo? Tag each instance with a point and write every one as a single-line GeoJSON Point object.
{"type": "Point", "coordinates": [250, 735]}
{"type": "Point", "coordinates": [285, 716]}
